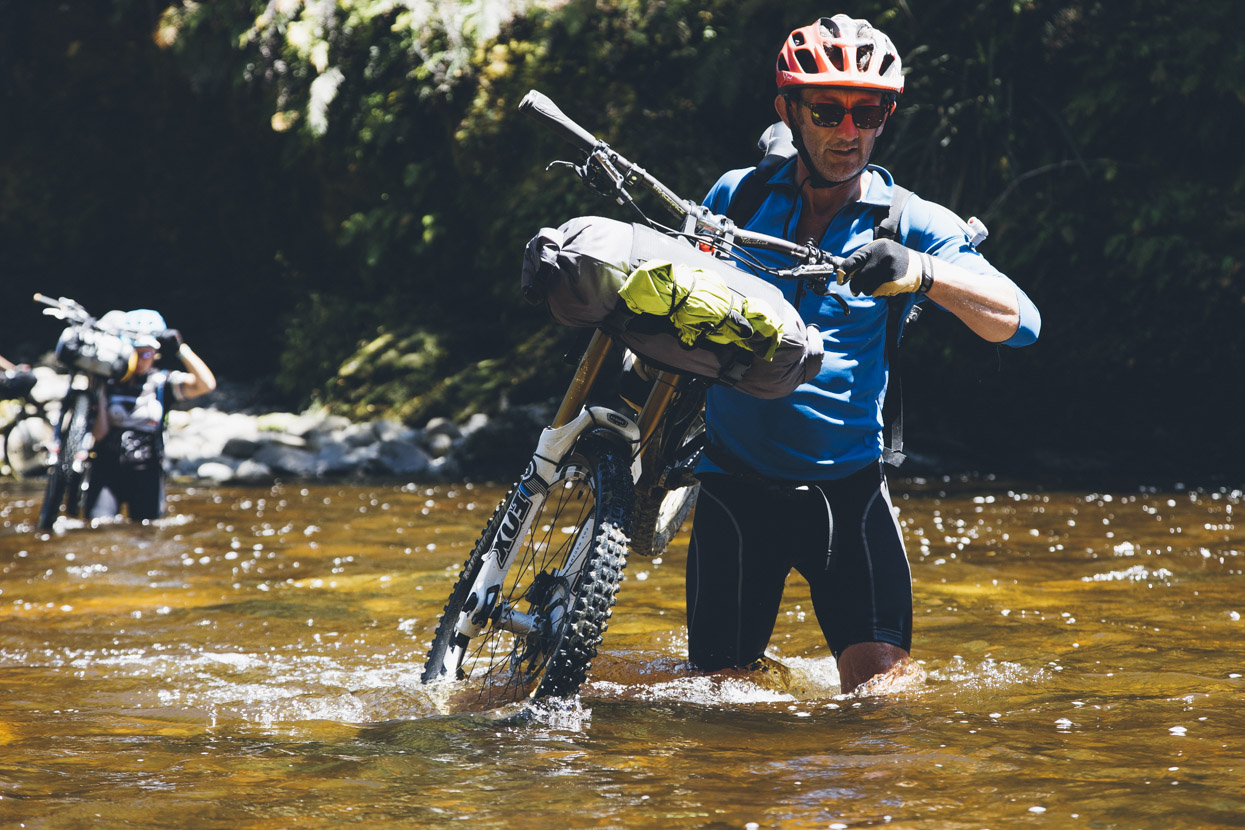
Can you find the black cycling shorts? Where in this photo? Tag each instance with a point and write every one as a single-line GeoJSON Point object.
{"type": "Point", "coordinates": [112, 486]}
{"type": "Point", "coordinates": [842, 537]}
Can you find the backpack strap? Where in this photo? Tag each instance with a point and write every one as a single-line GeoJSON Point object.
{"type": "Point", "coordinates": [886, 226]}
{"type": "Point", "coordinates": [886, 222]}
{"type": "Point", "coordinates": [776, 144]}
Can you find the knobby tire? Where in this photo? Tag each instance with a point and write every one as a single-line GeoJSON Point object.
{"type": "Point", "coordinates": [661, 510]}
{"type": "Point", "coordinates": [659, 515]}
{"type": "Point", "coordinates": [64, 483]}
{"type": "Point", "coordinates": [590, 502]}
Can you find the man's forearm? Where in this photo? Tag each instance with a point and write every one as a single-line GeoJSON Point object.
{"type": "Point", "coordinates": [987, 305]}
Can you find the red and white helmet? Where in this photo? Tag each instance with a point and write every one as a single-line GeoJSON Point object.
{"type": "Point", "coordinates": [839, 51]}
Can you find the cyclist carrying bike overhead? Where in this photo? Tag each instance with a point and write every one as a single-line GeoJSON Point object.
{"type": "Point", "coordinates": [797, 482]}
{"type": "Point", "coordinates": [129, 433]}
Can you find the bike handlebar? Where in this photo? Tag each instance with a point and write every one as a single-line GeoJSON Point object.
{"type": "Point", "coordinates": [620, 172]}
{"type": "Point", "coordinates": [65, 309]}
{"type": "Point", "coordinates": [541, 106]}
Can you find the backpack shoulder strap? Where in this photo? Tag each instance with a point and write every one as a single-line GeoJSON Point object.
{"type": "Point", "coordinates": [886, 226]}
{"type": "Point", "coordinates": [886, 222]}
{"type": "Point", "coordinates": [751, 192]}
{"type": "Point", "coordinates": [776, 144]}
{"type": "Point", "coordinates": [746, 199]}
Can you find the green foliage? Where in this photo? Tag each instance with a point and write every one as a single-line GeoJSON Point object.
{"type": "Point", "coordinates": [352, 178]}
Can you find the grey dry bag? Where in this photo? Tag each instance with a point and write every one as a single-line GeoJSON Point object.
{"type": "Point", "coordinates": [577, 269]}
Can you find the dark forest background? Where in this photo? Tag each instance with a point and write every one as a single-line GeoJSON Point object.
{"type": "Point", "coordinates": [332, 201]}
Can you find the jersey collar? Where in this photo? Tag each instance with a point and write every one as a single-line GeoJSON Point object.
{"type": "Point", "coordinates": [881, 183]}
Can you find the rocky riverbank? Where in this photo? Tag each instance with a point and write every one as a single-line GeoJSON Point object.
{"type": "Point", "coordinates": [235, 437]}
{"type": "Point", "coordinates": [207, 443]}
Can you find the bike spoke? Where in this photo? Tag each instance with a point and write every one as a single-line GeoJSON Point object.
{"type": "Point", "coordinates": [535, 630]}
{"type": "Point", "coordinates": [526, 625]}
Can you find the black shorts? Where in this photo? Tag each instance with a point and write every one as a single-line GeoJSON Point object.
{"type": "Point", "coordinates": [114, 485]}
{"type": "Point", "coordinates": [841, 536]}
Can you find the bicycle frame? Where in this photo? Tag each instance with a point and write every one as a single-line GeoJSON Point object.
{"type": "Point", "coordinates": [556, 441]}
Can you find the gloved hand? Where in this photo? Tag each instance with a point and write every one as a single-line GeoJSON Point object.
{"type": "Point", "coordinates": [170, 342]}
{"type": "Point", "coordinates": [884, 268]}
{"type": "Point", "coordinates": [16, 382]}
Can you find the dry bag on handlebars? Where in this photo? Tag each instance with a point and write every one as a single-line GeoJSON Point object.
{"type": "Point", "coordinates": [96, 352]}
{"type": "Point", "coordinates": [673, 304]}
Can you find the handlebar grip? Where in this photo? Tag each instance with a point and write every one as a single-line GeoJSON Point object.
{"type": "Point", "coordinates": [541, 106]}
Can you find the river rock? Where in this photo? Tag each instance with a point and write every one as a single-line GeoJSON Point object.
{"type": "Point", "coordinates": [390, 430]}
{"type": "Point", "coordinates": [439, 445]}
{"type": "Point", "coordinates": [240, 447]}
{"type": "Point", "coordinates": [289, 460]}
{"type": "Point", "coordinates": [402, 458]}
{"type": "Point", "coordinates": [333, 459]}
{"type": "Point", "coordinates": [215, 471]}
{"type": "Point", "coordinates": [252, 470]}
{"type": "Point", "coordinates": [442, 426]}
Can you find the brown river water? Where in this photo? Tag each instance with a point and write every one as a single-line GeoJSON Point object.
{"type": "Point", "coordinates": [253, 662]}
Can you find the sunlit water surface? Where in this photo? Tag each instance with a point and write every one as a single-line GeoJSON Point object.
{"type": "Point", "coordinates": [253, 662]}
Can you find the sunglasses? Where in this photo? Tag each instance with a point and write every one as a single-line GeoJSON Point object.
{"type": "Point", "coordinates": [865, 117]}
{"type": "Point", "coordinates": [145, 353]}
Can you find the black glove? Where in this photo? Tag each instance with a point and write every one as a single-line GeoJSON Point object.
{"type": "Point", "coordinates": [884, 268]}
{"type": "Point", "coordinates": [16, 383]}
{"type": "Point", "coordinates": [170, 342]}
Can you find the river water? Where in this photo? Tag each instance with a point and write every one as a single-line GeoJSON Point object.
{"type": "Point", "coordinates": [252, 662]}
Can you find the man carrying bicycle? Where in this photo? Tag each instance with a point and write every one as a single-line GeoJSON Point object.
{"type": "Point", "coordinates": [129, 432]}
{"type": "Point", "coordinates": [797, 482]}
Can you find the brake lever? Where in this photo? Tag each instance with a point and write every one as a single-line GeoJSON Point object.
{"type": "Point", "coordinates": [817, 275]}
{"type": "Point", "coordinates": [601, 177]}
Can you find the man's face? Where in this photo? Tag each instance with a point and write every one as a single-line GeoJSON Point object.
{"type": "Point", "coordinates": [839, 152]}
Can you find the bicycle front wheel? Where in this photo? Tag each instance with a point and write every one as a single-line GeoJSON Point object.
{"type": "Point", "coordinates": [65, 475]}
{"type": "Point", "coordinates": [539, 627]}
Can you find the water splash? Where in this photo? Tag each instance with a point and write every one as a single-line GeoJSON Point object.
{"type": "Point", "coordinates": [988, 674]}
{"type": "Point", "coordinates": [1137, 573]}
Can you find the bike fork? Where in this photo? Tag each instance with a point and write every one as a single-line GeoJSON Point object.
{"type": "Point", "coordinates": [554, 445]}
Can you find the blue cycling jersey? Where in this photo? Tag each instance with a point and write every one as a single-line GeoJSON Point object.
{"type": "Point", "coordinates": [831, 427]}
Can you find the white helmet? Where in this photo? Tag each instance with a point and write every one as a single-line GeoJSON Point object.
{"type": "Point", "coordinates": [143, 326]}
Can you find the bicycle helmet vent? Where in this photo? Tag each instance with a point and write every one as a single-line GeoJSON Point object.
{"type": "Point", "coordinates": [143, 326]}
{"type": "Point", "coordinates": [145, 320]}
{"type": "Point", "coordinates": [839, 51]}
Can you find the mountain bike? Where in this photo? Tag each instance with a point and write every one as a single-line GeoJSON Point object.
{"type": "Point", "coordinates": [533, 600]}
{"type": "Point", "coordinates": [93, 354]}
{"type": "Point", "coordinates": [25, 431]}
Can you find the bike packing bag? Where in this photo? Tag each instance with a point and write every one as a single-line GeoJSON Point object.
{"type": "Point", "coordinates": [98, 353]}
{"type": "Point", "coordinates": [756, 341]}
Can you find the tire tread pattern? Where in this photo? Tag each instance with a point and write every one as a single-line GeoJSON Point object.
{"type": "Point", "coordinates": [595, 592]}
